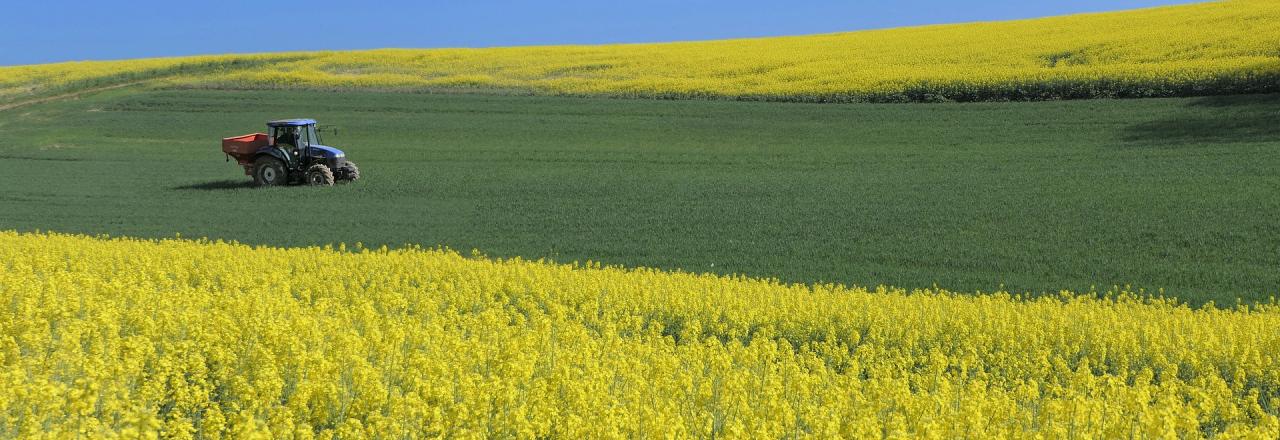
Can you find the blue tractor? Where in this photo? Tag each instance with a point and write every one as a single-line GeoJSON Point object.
{"type": "Point", "coordinates": [290, 152]}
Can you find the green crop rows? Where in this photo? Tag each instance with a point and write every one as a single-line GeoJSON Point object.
{"type": "Point", "coordinates": [1179, 194]}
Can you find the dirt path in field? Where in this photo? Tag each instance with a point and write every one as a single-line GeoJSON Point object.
{"type": "Point", "coordinates": [70, 95]}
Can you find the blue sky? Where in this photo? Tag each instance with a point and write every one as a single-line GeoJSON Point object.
{"type": "Point", "coordinates": [58, 30]}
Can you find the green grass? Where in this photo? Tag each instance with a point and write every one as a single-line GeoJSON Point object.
{"type": "Point", "coordinates": [1180, 194]}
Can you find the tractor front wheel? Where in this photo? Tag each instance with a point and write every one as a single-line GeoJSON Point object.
{"type": "Point", "coordinates": [268, 171]}
{"type": "Point", "coordinates": [348, 172]}
{"type": "Point", "coordinates": [319, 175]}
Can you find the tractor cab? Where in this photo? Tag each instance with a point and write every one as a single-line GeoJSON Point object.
{"type": "Point", "coordinates": [296, 137]}
{"type": "Point", "coordinates": [290, 152]}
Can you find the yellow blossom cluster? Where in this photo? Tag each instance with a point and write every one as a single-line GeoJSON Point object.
{"type": "Point", "coordinates": [198, 339]}
{"type": "Point", "coordinates": [1201, 49]}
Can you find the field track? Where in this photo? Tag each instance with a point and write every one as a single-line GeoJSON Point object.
{"type": "Point", "coordinates": [69, 95]}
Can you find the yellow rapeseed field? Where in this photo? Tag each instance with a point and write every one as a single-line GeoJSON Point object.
{"type": "Point", "coordinates": [1222, 47]}
{"type": "Point", "coordinates": [186, 339]}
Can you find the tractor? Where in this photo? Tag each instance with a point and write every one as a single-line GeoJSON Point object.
{"type": "Point", "coordinates": [289, 153]}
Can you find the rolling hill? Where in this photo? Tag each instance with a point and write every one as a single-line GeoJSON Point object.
{"type": "Point", "coordinates": [1213, 48]}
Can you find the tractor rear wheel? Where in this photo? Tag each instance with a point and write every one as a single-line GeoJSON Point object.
{"type": "Point", "coordinates": [319, 175]}
{"type": "Point", "coordinates": [268, 171]}
{"type": "Point", "coordinates": [348, 172]}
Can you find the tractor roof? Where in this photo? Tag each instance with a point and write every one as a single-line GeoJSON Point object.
{"type": "Point", "coordinates": [291, 122]}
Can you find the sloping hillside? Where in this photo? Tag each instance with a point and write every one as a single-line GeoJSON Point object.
{"type": "Point", "coordinates": [1203, 49]}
